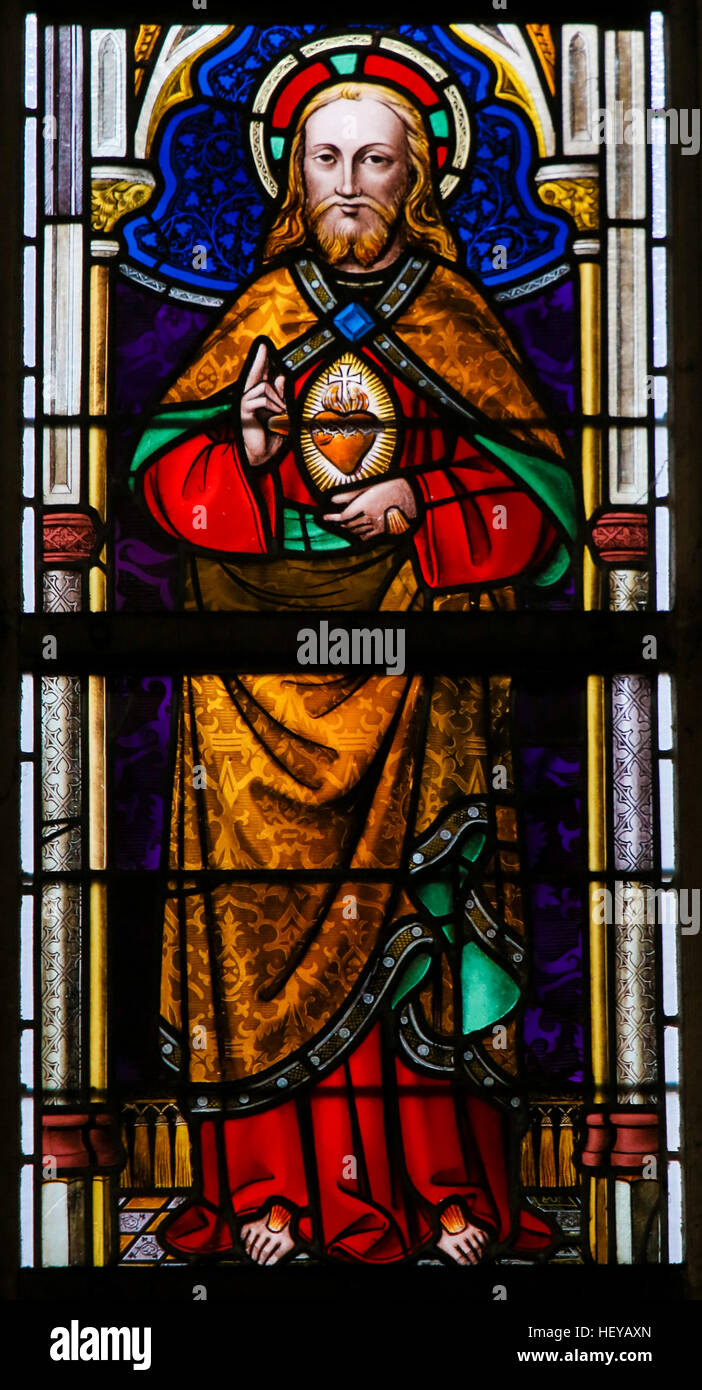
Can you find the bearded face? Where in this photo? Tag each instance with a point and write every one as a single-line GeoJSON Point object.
{"type": "Point", "coordinates": [363, 236]}
{"type": "Point", "coordinates": [356, 175]}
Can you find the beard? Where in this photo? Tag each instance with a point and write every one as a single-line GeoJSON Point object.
{"type": "Point", "coordinates": [365, 243]}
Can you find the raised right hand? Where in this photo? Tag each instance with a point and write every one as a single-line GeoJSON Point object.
{"type": "Point", "coordinates": [261, 400]}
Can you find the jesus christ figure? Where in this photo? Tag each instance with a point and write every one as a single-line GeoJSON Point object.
{"type": "Point", "coordinates": [343, 941]}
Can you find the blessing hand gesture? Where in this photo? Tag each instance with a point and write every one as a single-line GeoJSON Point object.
{"type": "Point", "coordinates": [261, 400]}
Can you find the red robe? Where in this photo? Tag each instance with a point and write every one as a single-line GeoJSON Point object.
{"type": "Point", "coordinates": [456, 541]}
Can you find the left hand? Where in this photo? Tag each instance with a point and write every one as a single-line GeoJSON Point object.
{"type": "Point", "coordinates": [365, 508]}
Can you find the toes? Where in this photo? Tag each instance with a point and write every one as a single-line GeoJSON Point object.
{"type": "Point", "coordinates": [265, 1248]}
{"type": "Point", "coordinates": [463, 1244]}
{"type": "Point", "coordinates": [256, 1244]}
{"type": "Point", "coordinates": [468, 1246]}
{"type": "Point", "coordinates": [451, 1246]}
{"type": "Point", "coordinates": [272, 1252]}
{"type": "Point", "coordinates": [253, 1235]}
{"type": "Point", "coordinates": [478, 1238]}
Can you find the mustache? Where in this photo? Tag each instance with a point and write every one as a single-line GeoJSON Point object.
{"type": "Point", "coordinates": [384, 211]}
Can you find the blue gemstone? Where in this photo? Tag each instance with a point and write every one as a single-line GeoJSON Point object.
{"type": "Point", "coordinates": [353, 321]}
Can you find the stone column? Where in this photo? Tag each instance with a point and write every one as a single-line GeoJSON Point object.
{"type": "Point", "coordinates": [573, 187]}
{"type": "Point", "coordinates": [622, 1139]}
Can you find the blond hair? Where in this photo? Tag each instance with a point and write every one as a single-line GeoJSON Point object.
{"type": "Point", "coordinates": [422, 221]}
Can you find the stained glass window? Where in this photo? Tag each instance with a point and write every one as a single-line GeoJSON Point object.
{"type": "Point", "coordinates": [350, 908]}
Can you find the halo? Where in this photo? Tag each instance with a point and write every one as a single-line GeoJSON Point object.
{"type": "Point", "coordinates": [359, 58]}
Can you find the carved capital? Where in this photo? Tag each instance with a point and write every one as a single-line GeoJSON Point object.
{"type": "Point", "coordinates": [117, 191]}
{"type": "Point", "coordinates": [580, 198]}
{"type": "Point", "coordinates": [627, 1139]}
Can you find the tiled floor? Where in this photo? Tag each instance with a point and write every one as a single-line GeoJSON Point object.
{"type": "Point", "coordinates": [139, 1219]}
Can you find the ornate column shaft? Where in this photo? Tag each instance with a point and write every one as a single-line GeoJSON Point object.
{"type": "Point", "coordinates": [573, 187]}
{"type": "Point", "coordinates": [635, 1146]}
{"type": "Point", "coordinates": [66, 541]}
{"type": "Point", "coordinates": [622, 1141]}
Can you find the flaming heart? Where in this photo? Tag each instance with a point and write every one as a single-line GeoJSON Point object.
{"type": "Point", "coordinates": [344, 437]}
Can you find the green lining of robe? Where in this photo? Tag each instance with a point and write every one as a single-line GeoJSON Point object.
{"type": "Point", "coordinates": [302, 532]}
{"type": "Point", "coordinates": [436, 892]}
{"type": "Point", "coordinates": [167, 426]}
{"type": "Point", "coordinates": [552, 484]}
{"type": "Point", "coordinates": [415, 971]}
{"type": "Point", "coordinates": [488, 992]}
{"type": "Point", "coordinates": [554, 570]}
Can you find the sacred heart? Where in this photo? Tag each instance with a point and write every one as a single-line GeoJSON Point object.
{"type": "Point", "coordinates": [344, 437]}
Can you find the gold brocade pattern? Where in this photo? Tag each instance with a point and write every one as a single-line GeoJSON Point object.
{"type": "Point", "coordinates": [450, 327]}
{"type": "Point", "coordinates": [302, 773]}
{"type": "Point", "coordinates": [336, 775]}
{"type": "Point", "coordinates": [272, 308]}
{"type": "Point", "coordinates": [456, 752]}
{"type": "Point", "coordinates": [268, 966]}
{"type": "Point", "coordinates": [284, 758]}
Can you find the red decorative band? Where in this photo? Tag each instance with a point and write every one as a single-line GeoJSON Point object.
{"type": "Point", "coordinates": [75, 1141]}
{"type": "Point", "coordinates": [621, 537]}
{"type": "Point", "coordinates": [597, 1141]}
{"type": "Point", "coordinates": [63, 1140]}
{"type": "Point", "coordinates": [636, 1140]}
{"type": "Point", "coordinates": [626, 1139]}
{"type": "Point", "coordinates": [68, 536]}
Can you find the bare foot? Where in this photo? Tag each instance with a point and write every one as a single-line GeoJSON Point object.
{"type": "Point", "coordinates": [263, 1246]}
{"type": "Point", "coordinates": [466, 1247]}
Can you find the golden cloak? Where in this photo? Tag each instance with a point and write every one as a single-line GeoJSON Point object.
{"type": "Point", "coordinates": [300, 800]}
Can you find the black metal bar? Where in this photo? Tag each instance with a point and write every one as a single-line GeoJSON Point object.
{"type": "Point", "coordinates": [561, 644]}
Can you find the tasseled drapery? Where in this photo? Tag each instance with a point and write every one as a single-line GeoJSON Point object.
{"type": "Point", "coordinates": [547, 1154]}
{"type": "Point", "coordinates": [156, 1141]}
